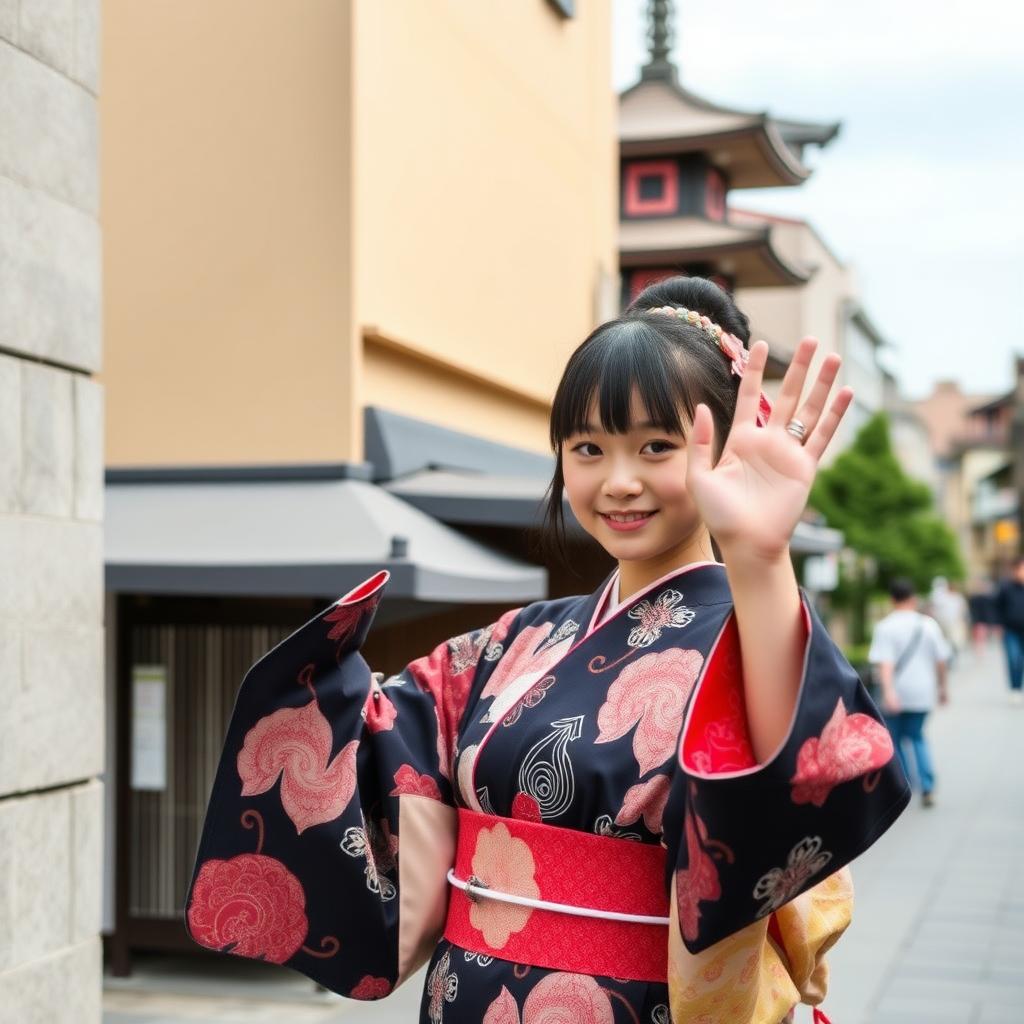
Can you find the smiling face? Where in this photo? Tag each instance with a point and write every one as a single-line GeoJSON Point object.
{"type": "Point", "coordinates": [628, 491]}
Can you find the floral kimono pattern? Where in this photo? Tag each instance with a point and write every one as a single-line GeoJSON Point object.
{"type": "Point", "coordinates": [332, 821]}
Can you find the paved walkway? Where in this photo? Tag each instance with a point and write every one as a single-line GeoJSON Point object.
{"type": "Point", "coordinates": [938, 932]}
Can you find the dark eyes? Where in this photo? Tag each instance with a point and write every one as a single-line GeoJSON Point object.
{"type": "Point", "coordinates": [590, 450]}
{"type": "Point", "coordinates": [658, 447]}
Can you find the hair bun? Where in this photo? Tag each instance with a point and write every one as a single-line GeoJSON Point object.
{"type": "Point", "coordinates": [697, 293]}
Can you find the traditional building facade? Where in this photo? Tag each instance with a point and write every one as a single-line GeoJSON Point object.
{"type": "Point", "coordinates": [683, 163]}
{"type": "Point", "coordinates": [976, 442]}
{"type": "Point", "coordinates": [681, 157]}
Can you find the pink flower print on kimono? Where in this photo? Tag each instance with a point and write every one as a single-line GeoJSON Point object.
{"type": "Point", "coordinates": [343, 619]}
{"type": "Point", "coordinates": [651, 694]}
{"type": "Point", "coordinates": [295, 745]}
{"type": "Point", "coordinates": [698, 881]}
{"type": "Point", "coordinates": [409, 782]}
{"type": "Point", "coordinates": [526, 808]}
{"type": "Point", "coordinates": [464, 654]}
{"type": "Point", "coordinates": [646, 800]}
{"type": "Point", "coordinates": [527, 660]}
{"type": "Point", "coordinates": [251, 906]}
{"type": "Point", "coordinates": [555, 999]}
{"type": "Point", "coordinates": [447, 675]}
{"type": "Point", "coordinates": [504, 863]}
{"type": "Point", "coordinates": [370, 988]}
{"type": "Point", "coordinates": [850, 747]}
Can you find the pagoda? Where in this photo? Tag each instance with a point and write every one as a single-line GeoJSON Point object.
{"type": "Point", "coordinates": [680, 156]}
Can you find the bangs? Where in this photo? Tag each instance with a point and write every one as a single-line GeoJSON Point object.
{"type": "Point", "coordinates": [616, 360]}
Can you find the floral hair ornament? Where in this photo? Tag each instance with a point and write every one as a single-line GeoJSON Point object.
{"type": "Point", "coordinates": [729, 345]}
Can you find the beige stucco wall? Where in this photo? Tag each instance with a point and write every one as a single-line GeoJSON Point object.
{"type": "Point", "coordinates": [51, 515]}
{"type": "Point", "coordinates": [226, 185]}
{"type": "Point", "coordinates": [468, 402]}
{"type": "Point", "coordinates": [279, 178]}
{"type": "Point", "coordinates": [486, 174]}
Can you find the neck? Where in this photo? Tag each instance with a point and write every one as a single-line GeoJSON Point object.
{"type": "Point", "coordinates": [635, 576]}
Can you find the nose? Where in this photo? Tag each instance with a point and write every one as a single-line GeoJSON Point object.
{"type": "Point", "coordinates": [622, 480]}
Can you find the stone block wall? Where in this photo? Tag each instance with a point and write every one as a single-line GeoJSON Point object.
{"type": "Point", "coordinates": [51, 512]}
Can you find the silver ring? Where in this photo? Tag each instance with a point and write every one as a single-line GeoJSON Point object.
{"type": "Point", "coordinates": [797, 429]}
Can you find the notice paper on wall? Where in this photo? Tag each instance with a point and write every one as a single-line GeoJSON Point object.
{"type": "Point", "coordinates": [149, 727]}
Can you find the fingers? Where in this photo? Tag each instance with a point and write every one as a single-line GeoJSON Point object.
{"type": "Point", "coordinates": [701, 442]}
{"type": "Point", "coordinates": [818, 441]}
{"type": "Point", "coordinates": [819, 418]}
{"type": "Point", "coordinates": [748, 397]}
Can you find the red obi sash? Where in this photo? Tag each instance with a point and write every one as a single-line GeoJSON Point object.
{"type": "Point", "coordinates": [589, 876]}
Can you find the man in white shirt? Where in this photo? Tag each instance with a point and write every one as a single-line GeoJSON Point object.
{"type": "Point", "coordinates": [911, 656]}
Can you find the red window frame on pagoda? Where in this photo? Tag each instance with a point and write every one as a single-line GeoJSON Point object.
{"type": "Point", "coordinates": [668, 202]}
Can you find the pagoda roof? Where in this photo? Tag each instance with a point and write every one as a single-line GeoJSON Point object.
{"type": "Point", "coordinates": [658, 117]}
{"type": "Point", "coordinates": [745, 254]}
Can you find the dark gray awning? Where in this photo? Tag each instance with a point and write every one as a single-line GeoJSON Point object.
{"type": "Point", "coordinates": [455, 477]}
{"type": "Point", "coordinates": [398, 445]}
{"type": "Point", "coordinates": [486, 499]}
{"type": "Point", "coordinates": [288, 537]}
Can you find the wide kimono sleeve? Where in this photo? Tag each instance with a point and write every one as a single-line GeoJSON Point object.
{"type": "Point", "coordinates": [330, 825]}
{"type": "Point", "coordinates": [758, 875]}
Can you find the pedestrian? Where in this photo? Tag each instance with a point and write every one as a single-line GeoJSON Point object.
{"type": "Point", "coordinates": [982, 609]}
{"type": "Point", "coordinates": [949, 608]}
{"type": "Point", "coordinates": [1009, 609]}
{"type": "Point", "coordinates": [912, 658]}
{"type": "Point", "coordinates": [637, 804]}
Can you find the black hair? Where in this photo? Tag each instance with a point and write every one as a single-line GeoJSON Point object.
{"type": "Point", "coordinates": [901, 589]}
{"type": "Point", "coordinates": [672, 364]}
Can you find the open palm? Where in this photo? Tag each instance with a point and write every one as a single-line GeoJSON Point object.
{"type": "Point", "coordinates": [753, 497]}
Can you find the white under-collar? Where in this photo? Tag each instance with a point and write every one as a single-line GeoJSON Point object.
{"type": "Point", "coordinates": [611, 602]}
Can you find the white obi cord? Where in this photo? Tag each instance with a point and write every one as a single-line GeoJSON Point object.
{"type": "Point", "coordinates": [476, 890]}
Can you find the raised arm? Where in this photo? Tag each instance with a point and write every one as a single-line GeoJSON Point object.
{"type": "Point", "coordinates": [751, 500]}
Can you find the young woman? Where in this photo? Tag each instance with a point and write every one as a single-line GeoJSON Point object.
{"type": "Point", "coordinates": [635, 805]}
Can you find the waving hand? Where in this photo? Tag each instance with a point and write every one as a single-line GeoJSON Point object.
{"type": "Point", "coordinates": [753, 497]}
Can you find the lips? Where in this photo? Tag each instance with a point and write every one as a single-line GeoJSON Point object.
{"type": "Point", "coordinates": [625, 521]}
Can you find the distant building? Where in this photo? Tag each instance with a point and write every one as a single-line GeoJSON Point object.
{"type": "Point", "coordinates": [977, 453]}
{"type": "Point", "coordinates": [683, 160]}
{"type": "Point", "coordinates": [680, 159]}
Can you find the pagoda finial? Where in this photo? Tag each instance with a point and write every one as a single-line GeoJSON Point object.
{"type": "Point", "coordinates": [659, 32]}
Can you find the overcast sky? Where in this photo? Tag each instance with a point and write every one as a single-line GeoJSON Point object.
{"type": "Point", "coordinates": [921, 192]}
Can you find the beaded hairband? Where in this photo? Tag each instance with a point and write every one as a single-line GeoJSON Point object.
{"type": "Point", "coordinates": [729, 344]}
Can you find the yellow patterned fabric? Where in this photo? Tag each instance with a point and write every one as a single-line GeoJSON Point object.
{"type": "Point", "coordinates": [750, 977]}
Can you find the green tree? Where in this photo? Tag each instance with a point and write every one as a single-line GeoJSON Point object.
{"type": "Point", "coordinates": [889, 521]}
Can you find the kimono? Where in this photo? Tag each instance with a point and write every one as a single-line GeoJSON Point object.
{"type": "Point", "coordinates": [343, 800]}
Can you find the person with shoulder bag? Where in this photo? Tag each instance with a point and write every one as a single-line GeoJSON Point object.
{"type": "Point", "coordinates": [911, 656]}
